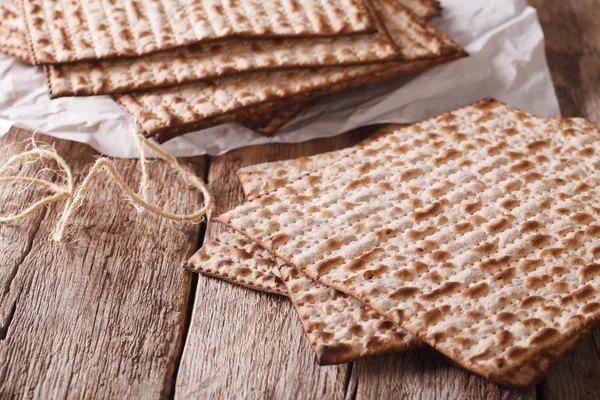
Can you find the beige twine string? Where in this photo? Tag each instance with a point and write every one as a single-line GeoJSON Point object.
{"type": "Point", "coordinates": [74, 199]}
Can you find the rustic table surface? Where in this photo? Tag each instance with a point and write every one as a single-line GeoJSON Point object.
{"type": "Point", "coordinates": [114, 315]}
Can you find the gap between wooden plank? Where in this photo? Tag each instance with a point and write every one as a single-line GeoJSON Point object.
{"type": "Point", "coordinates": [351, 385]}
{"type": "Point", "coordinates": [191, 296]}
{"type": "Point", "coordinates": [5, 326]}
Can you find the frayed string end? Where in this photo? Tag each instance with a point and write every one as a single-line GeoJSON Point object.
{"type": "Point", "coordinates": [141, 200]}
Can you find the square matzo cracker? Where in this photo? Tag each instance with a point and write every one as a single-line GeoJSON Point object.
{"type": "Point", "coordinates": [65, 31]}
{"type": "Point", "coordinates": [476, 230]}
{"type": "Point", "coordinates": [339, 328]}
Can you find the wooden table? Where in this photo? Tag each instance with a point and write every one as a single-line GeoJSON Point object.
{"type": "Point", "coordinates": [113, 315]}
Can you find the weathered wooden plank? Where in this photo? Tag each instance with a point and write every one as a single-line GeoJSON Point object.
{"type": "Point", "coordinates": [572, 36]}
{"type": "Point", "coordinates": [246, 344]}
{"type": "Point", "coordinates": [570, 26]}
{"type": "Point", "coordinates": [17, 239]}
{"type": "Point", "coordinates": [101, 316]}
{"type": "Point", "coordinates": [573, 51]}
{"type": "Point", "coordinates": [577, 376]}
{"type": "Point", "coordinates": [422, 374]}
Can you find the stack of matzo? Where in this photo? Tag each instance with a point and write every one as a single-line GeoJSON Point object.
{"type": "Point", "coordinates": [183, 65]}
{"type": "Point", "coordinates": [476, 233]}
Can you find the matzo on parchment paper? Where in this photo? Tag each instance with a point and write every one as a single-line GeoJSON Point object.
{"type": "Point", "coordinates": [211, 60]}
{"type": "Point", "coordinates": [202, 61]}
{"type": "Point", "coordinates": [176, 128]}
{"type": "Point", "coordinates": [228, 57]}
{"type": "Point", "coordinates": [13, 24]}
{"type": "Point", "coordinates": [476, 230]}
{"type": "Point", "coordinates": [265, 119]}
{"type": "Point", "coordinates": [182, 108]}
{"type": "Point", "coordinates": [64, 31]}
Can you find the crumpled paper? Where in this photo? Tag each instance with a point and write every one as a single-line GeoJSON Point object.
{"type": "Point", "coordinates": [507, 61]}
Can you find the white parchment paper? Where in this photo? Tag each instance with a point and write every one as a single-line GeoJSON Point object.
{"type": "Point", "coordinates": [507, 62]}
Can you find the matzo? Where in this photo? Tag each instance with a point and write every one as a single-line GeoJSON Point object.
{"type": "Point", "coordinates": [536, 369]}
{"type": "Point", "coordinates": [475, 230]}
{"type": "Point", "coordinates": [339, 328]}
{"type": "Point", "coordinates": [168, 121]}
{"type": "Point", "coordinates": [204, 61]}
{"type": "Point", "coordinates": [65, 31]}
{"type": "Point", "coordinates": [160, 110]}
{"type": "Point", "coordinates": [268, 123]}
{"type": "Point", "coordinates": [234, 258]}
{"type": "Point", "coordinates": [423, 8]}
{"type": "Point", "coordinates": [258, 117]}
{"type": "Point", "coordinates": [261, 178]}
{"type": "Point", "coordinates": [190, 63]}
{"type": "Point", "coordinates": [12, 38]}
{"type": "Point", "coordinates": [328, 304]}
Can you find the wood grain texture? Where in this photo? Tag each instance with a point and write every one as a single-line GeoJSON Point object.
{"type": "Point", "coordinates": [102, 315]}
{"type": "Point", "coordinates": [572, 34]}
{"type": "Point", "coordinates": [577, 376]}
{"type": "Point", "coordinates": [423, 374]}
